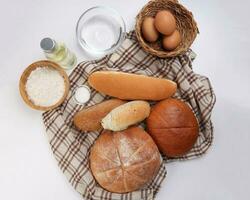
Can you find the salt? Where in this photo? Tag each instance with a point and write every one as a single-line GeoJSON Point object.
{"type": "Point", "coordinates": [45, 86]}
{"type": "Point", "coordinates": [82, 94]}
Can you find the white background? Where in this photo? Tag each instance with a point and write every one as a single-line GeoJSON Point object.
{"type": "Point", "coordinates": [28, 169]}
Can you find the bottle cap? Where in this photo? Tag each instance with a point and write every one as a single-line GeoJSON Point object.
{"type": "Point", "coordinates": [47, 44]}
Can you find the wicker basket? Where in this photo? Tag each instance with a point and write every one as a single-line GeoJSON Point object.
{"type": "Point", "coordinates": [186, 25]}
{"type": "Point", "coordinates": [25, 75]}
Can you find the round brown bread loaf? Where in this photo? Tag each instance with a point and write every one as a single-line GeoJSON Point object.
{"type": "Point", "coordinates": [124, 161]}
{"type": "Point", "coordinates": [173, 127]}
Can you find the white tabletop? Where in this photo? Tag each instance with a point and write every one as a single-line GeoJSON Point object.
{"type": "Point", "coordinates": [28, 169]}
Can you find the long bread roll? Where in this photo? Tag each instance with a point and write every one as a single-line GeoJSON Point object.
{"type": "Point", "coordinates": [89, 119]}
{"type": "Point", "coordinates": [126, 115]}
{"type": "Point", "coordinates": [131, 86]}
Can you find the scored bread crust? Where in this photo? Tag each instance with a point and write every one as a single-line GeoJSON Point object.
{"type": "Point", "coordinates": [129, 86]}
{"type": "Point", "coordinates": [126, 115]}
{"type": "Point", "coordinates": [124, 161]}
{"type": "Point", "coordinates": [89, 119]}
{"type": "Point", "coordinates": [173, 126]}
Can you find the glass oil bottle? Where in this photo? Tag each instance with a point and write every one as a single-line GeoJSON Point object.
{"type": "Point", "coordinates": [58, 53]}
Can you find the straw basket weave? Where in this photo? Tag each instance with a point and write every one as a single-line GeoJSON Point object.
{"type": "Point", "coordinates": [186, 25]}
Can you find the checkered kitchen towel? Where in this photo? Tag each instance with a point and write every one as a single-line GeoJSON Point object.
{"type": "Point", "coordinates": [71, 149]}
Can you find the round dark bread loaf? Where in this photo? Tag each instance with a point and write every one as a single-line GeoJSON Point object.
{"type": "Point", "coordinates": [173, 127]}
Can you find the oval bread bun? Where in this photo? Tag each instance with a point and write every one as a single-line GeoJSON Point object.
{"type": "Point", "coordinates": [89, 119]}
{"type": "Point", "coordinates": [126, 115]}
{"type": "Point", "coordinates": [130, 86]}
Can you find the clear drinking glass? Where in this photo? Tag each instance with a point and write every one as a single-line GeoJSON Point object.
{"type": "Point", "coordinates": [100, 30]}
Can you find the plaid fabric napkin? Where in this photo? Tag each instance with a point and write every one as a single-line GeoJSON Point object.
{"type": "Point", "coordinates": [71, 148]}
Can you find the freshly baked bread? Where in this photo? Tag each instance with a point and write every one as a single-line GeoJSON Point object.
{"type": "Point", "coordinates": [124, 161]}
{"type": "Point", "coordinates": [173, 127]}
{"type": "Point", "coordinates": [89, 119]}
{"type": "Point", "coordinates": [126, 115]}
{"type": "Point", "coordinates": [131, 86]}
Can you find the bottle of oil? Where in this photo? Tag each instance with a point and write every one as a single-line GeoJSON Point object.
{"type": "Point", "coordinates": [58, 53]}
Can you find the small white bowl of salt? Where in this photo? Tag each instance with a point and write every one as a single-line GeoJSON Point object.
{"type": "Point", "coordinates": [82, 94]}
{"type": "Point", "coordinates": [44, 85]}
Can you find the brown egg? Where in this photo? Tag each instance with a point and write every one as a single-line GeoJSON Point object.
{"type": "Point", "coordinates": [172, 41]}
{"type": "Point", "coordinates": [149, 31]}
{"type": "Point", "coordinates": [165, 22]}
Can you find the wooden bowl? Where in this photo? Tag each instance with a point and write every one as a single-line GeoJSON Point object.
{"type": "Point", "coordinates": [25, 75]}
{"type": "Point", "coordinates": [185, 22]}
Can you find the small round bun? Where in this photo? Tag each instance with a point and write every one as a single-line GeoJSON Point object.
{"type": "Point", "coordinates": [173, 127]}
{"type": "Point", "coordinates": [124, 161]}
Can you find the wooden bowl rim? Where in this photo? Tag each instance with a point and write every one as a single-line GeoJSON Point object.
{"type": "Point", "coordinates": [25, 75]}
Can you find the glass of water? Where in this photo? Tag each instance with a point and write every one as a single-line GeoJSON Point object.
{"type": "Point", "coordinates": [100, 30]}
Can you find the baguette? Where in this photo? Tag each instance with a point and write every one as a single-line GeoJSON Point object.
{"type": "Point", "coordinates": [125, 115]}
{"type": "Point", "coordinates": [89, 119]}
{"type": "Point", "coordinates": [129, 86]}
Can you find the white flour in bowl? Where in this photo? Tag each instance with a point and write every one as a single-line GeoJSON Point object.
{"type": "Point", "coordinates": [45, 86]}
